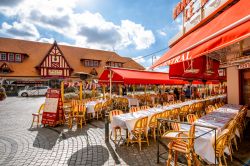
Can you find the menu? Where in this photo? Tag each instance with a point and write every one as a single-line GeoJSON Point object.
{"type": "Point", "coordinates": [53, 113]}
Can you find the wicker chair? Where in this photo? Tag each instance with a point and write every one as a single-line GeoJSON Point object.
{"type": "Point", "coordinates": [134, 109]}
{"type": "Point", "coordinates": [116, 128]}
{"type": "Point", "coordinates": [81, 114]}
{"type": "Point", "coordinates": [139, 130]}
{"type": "Point", "coordinates": [36, 116]}
{"type": "Point", "coordinates": [153, 124]}
{"type": "Point", "coordinates": [184, 110]}
{"type": "Point", "coordinates": [221, 145]}
{"type": "Point", "coordinates": [145, 107]}
{"type": "Point", "coordinates": [98, 110]}
{"type": "Point", "coordinates": [183, 143]}
{"type": "Point", "coordinates": [191, 118]}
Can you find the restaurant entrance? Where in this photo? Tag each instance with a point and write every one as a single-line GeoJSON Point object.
{"type": "Point", "coordinates": [245, 87]}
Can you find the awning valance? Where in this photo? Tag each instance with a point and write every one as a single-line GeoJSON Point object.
{"type": "Point", "coordinates": [129, 76]}
{"type": "Point", "coordinates": [229, 27]}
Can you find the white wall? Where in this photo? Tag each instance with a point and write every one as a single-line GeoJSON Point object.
{"type": "Point", "coordinates": [233, 85]}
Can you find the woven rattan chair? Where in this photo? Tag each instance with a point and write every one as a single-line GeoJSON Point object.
{"type": "Point", "coordinates": [184, 110]}
{"type": "Point", "coordinates": [183, 143]}
{"type": "Point", "coordinates": [191, 118]}
{"type": "Point", "coordinates": [36, 116]}
{"type": "Point", "coordinates": [153, 124]}
{"type": "Point", "coordinates": [134, 109]}
{"type": "Point", "coordinates": [221, 145]}
{"type": "Point", "coordinates": [139, 132]}
{"type": "Point", "coordinates": [81, 114]}
{"type": "Point", "coordinates": [145, 107]}
{"type": "Point", "coordinates": [116, 128]}
{"type": "Point", "coordinates": [98, 110]}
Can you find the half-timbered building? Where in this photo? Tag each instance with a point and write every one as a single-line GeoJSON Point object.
{"type": "Point", "coordinates": [31, 62]}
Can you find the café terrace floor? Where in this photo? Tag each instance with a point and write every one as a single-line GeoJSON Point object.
{"type": "Point", "coordinates": [22, 145]}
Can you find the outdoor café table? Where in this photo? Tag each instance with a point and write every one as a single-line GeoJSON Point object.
{"type": "Point", "coordinates": [219, 119]}
{"type": "Point", "coordinates": [132, 101]}
{"type": "Point", "coordinates": [90, 106]}
{"type": "Point", "coordinates": [128, 120]}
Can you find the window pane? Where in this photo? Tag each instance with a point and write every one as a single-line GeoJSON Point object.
{"type": "Point", "coordinates": [18, 57]}
{"type": "Point", "coordinates": [11, 57]}
{"type": "Point", "coordinates": [3, 56]}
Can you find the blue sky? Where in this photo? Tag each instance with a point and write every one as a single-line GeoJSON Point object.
{"type": "Point", "coordinates": [132, 28]}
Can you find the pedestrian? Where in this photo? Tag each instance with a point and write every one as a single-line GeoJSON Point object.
{"type": "Point", "coordinates": [188, 92]}
{"type": "Point", "coordinates": [176, 92]}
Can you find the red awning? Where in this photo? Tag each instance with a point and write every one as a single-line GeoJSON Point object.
{"type": "Point", "coordinates": [229, 27]}
{"type": "Point", "coordinates": [129, 76]}
{"type": "Point", "coordinates": [200, 68]}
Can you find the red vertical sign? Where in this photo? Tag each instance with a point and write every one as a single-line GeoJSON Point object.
{"type": "Point", "coordinates": [53, 113]}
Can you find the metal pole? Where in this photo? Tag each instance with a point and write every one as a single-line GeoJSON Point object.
{"type": "Point", "coordinates": [215, 146]}
{"type": "Point", "coordinates": [106, 127]}
{"type": "Point", "coordinates": [158, 150]}
{"type": "Point", "coordinates": [110, 83]}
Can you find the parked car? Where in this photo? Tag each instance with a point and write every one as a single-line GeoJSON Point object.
{"type": "Point", "coordinates": [34, 91]}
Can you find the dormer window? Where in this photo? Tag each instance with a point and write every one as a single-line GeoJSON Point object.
{"type": "Point", "coordinates": [114, 64]}
{"type": "Point", "coordinates": [11, 57]}
{"type": "Point", "coordinates": [91, 63]}
{"type": "Point", "coordinates": [3, 57]}
{"type": "Point", "coordinates": [18, 58]}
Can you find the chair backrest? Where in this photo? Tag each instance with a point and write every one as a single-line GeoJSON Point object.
{"type": "Point", "coordinates": [211, 107]}
{"type": "Point", "coordinates": [165, 114]}
{"type": "Point", "coordinates": [191, 135]}
{"type": "Point", "coordinates": [141, 124]}
{"type": "Point", "coordinates": [145, 107]}
{"type": "Point", "coordinates": [192, 108]}
{"type": "Point", "coordinates": [134, 109]}
{"type": "Point", "coordinates": [41, 108]}
{"type": "Point", "coordinates": [220, 141]}
{"type": "Point", "coordinates": [113, 113]}
{"type": "Point", "coordinates": [81, 109]}
{"type": "Point", "coordinates": [175, 126]}
{"type": "Point", "coordinates": [74, 103]}
{"type": "Point", "coordinates": [174, 113]}
{"type": "Point", "coordinates": [191, 118]}
{"type": "Point", "coordinates": [153, 119]}
{"type": "Point", "coordinates": [98, 107]}
{"type": "Point", "coordinates": [184, 109]}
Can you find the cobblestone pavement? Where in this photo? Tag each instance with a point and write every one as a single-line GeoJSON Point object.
{"type": "Point", "coordinates": [22, 145]}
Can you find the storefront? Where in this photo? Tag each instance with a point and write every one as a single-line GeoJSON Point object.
{"type": "Point", "coordinates": [222, 35]}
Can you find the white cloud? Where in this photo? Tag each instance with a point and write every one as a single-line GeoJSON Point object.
{"type": "Point", "coordinates": [86, 29]}
{"type": "Point", "coordinates": [162, 32]}
{"type": "Point", "coordinates": [20, 30]}
{"type": "Point", "coordinates": [46, 40]}
{"type": "Point", "coordinates": [139, 59]}
{"type": "Point", "coordinates": [137, 34]}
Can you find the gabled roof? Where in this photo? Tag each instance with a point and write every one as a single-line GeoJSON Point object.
{"type": "Point", "coordinates": [38, 50]}
{"type": "Point", "coordinates": [6, 64]}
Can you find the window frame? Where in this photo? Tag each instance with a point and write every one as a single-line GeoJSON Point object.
{"type": "Point", "coordinates": [18, 59]}
{"type": "Point", "coordinates": [13, 56]}
{"type": "Point", "coordinates": [1, 59]}
{"type": "Point", "coordinates": [91, 63]}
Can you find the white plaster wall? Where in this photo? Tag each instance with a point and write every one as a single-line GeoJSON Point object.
{"type": "Point", "coordinates": [233, 85]}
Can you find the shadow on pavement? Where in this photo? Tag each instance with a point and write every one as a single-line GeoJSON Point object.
{"type": "Point", "coordinates": [91, 155]}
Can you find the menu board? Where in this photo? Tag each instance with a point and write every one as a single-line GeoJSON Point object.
{"type": "Point", "coordinates": [53, 113]}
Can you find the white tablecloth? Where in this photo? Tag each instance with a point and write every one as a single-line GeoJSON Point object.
{"type": "Point", "coordinates": [219, 118]}
{"type": "Point", "coordinates": [127, 121]}
{"type": "Point", "coordinates": [132, 102]}
{"type": "Point", "coordinates": [91, 106]}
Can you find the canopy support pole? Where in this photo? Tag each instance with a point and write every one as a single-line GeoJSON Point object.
{"type": "Point", "coordinates": [80, 90]}
{"type": "Point", "coordinates": [110, 83]}
{"type": "Point", "coordinates": [62, 90]}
